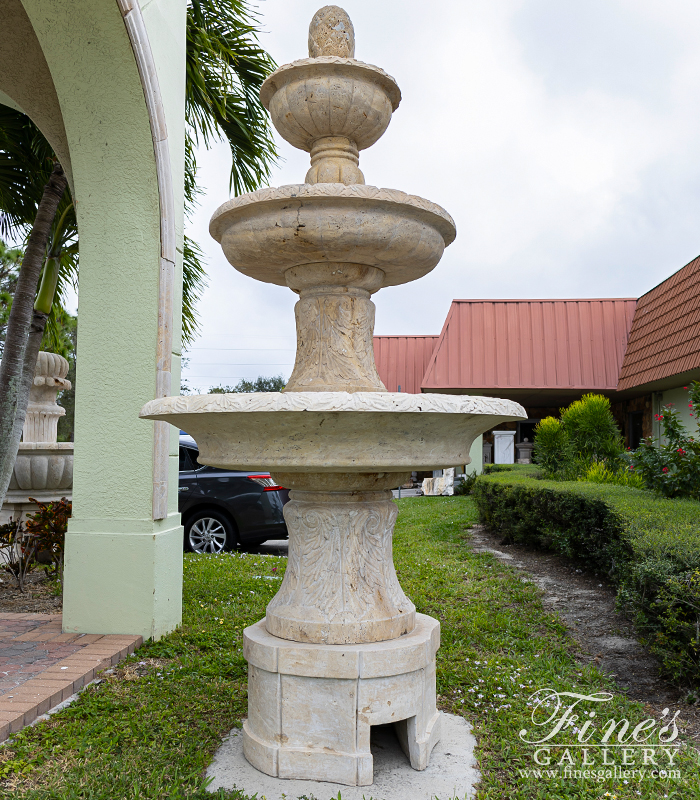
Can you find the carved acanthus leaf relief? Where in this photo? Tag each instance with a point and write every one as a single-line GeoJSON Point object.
{"type": "Point", "coordinates": [338, 586]}
{"type": "Point", "coordinates": [334, 344]}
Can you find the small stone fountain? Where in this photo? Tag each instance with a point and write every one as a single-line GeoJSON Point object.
{"type": "Point", "coordinates": [44, 467]}
{"type": "Point", "coordinates": [341, 647]}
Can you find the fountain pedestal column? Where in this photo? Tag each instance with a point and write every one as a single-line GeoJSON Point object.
{"type": "Point", "coordinates": [340, 586]}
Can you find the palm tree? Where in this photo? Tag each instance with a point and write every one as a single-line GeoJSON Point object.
{"type": "Point", "coordinates": [225, 67]}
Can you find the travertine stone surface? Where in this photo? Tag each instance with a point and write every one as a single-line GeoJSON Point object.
{"type": "Point", "coordinates": [310, 706]}
{"type": "Point", "coordinates": [332, 107]}
{"type": "Point", "coordinates": [335, 325]}
{"type": "Point", "coordinates": [334, 342]}
{"type": "Point", "coordinates": [333, 431]}
{"type": "Point", "coordinates": [265, 233]}
{"type": "Point", "coordinates": [341, 481]}
{"type": "Point", "coordinates": [451, 773]}
{"type": "Point", "coordinates": [43, 466]}
{"type": "Point", "coordinates": [331, 33]}
{"type": "Point", "coordinates": [340, 585]}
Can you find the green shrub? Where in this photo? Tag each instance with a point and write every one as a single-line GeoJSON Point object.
{"type": "Point", "coordinates": [592, 430]}
{"type": "Point", "coordinates": [47, 527]}
{"type": "Point", "coordinates": [586, 434]}
{"type": "Point", "coordinates": [647, 545]}
{"type": "Point", "coordinates": [672, 469]}
{"type": "Point", "coordinates": [598, 472]}
{"type": "Point", "coordinates": [552, 449]}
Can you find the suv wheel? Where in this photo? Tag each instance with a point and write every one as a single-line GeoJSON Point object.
{"type": "Point", "coordinates": [209, 532]}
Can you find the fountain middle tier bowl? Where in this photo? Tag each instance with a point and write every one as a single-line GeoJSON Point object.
{"type": "Point", "coordinates": [265, 233]}
{"type": "Point", "coordinates": [333, 431]}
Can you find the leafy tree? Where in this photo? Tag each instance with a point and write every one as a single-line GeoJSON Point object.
{"type": "Point", "coordinates": [260, 384]}
{"type": "Point", "coordinates": [225, 67]}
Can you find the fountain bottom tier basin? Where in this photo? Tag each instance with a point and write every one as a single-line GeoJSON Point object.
{"type": "Point", "coordinates": [310, 706]}
{"type": "Point", "coordinates": [315, 432]}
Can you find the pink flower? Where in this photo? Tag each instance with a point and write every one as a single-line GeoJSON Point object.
{"type": "Point", "coordinates": [665, 469]}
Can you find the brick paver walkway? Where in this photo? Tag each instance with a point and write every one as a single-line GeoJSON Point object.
{"type": "Point", "coordinates": [41, 667]}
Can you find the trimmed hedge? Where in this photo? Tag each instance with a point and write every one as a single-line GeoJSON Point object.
{"type": "Point", "coordinates": [648, 546]}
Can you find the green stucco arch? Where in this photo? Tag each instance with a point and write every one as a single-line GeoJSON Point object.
{"type": "Point", "coordinates": [83, 87]}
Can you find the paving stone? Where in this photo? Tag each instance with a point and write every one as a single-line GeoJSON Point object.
{"type": "Point", "coordinates": [43, 666]}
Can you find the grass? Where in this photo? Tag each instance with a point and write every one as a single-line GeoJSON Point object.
{"type": "Point", "coordinates": [151, 728]}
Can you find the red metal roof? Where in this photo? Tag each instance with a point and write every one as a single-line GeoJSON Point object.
{"type": "Point", "coordinates": [402, 360]}
{"type": "Point", "coordinates": [665, 336]}
{"type": "Point", "coordinates": [538, 344]}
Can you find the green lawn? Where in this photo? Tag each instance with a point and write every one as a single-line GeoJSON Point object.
{"type": "Point", "coordinates": [150, 730]}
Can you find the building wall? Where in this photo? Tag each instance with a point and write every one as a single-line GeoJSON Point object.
{"type": "Point", "coordinates": [680, 399]}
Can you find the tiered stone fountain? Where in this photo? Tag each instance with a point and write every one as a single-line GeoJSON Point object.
{"type": "Point", "coordinates": [341, 647]}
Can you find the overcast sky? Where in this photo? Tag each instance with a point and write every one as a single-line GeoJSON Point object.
{"type": "Point", "coordinates": [562, 135]}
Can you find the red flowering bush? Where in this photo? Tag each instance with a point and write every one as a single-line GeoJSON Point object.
{"type": "Point", "coordinates": [672, 468]}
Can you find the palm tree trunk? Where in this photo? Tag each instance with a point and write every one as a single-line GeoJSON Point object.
{"type": "Point", "coordinates": [24, 331]}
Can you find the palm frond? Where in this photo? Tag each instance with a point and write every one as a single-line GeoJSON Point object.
{"type": "Point", "coordinates": [194, 282]}
{"type": "Point", "coordinates": [225, 69]}
{"type": "Point", "coordinates": [26, 162]}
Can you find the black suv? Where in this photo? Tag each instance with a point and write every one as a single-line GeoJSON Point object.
{"type": "Point", "coordinates": [222, 509]}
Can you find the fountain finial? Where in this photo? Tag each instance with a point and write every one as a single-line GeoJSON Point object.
{"type": "Point", "coordinates": [331, 33]}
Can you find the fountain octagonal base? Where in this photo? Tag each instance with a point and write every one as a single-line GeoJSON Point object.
{"type": "Point", "coordinates": [310, 706]}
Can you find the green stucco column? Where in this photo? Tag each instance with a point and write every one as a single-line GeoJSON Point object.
{"type": "Point", "coordinates": [123, 569]}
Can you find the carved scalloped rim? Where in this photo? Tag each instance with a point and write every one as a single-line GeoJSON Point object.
{"type": "Point", "coordinates": [392, 88]}
{"type": "Point", "coordinates": [355, 191]}
{"type": "Point", "coordinates": [322, 402]}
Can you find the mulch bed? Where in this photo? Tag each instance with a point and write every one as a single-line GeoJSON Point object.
{"type": "Point", "coordinates": [39, 595]}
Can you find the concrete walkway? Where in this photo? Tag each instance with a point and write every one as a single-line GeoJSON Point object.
{"type": "Point", "coordinates": [41, 667]}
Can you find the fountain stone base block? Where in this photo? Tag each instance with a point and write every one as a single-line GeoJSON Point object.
{"type": "Point", "coordinates": [311, 706]}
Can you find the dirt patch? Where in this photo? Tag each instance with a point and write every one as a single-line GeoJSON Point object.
{"type": "Point", "coordinates": [38, 596]}
{"type": "Point", "coordinates": [586, 605]}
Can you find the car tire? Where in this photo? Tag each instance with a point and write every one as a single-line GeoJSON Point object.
{"type": "Point", "coordinates": [209, 532]}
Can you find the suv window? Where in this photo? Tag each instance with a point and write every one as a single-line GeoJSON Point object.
{"type": "Point", "coordinates": [185, 462]}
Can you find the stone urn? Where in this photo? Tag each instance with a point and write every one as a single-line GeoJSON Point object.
{"type": "Point", "coordinates": [341, 647]}
{"type": "Point", "coordinates": [44, 467]}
